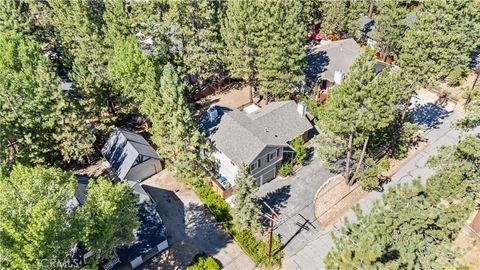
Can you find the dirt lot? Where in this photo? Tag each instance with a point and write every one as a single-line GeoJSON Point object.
{"type": "Point", "coordinates": [335, 199]}
{"type": "Point", "coordinates": [233, 98]}
{"type": "Point", "coordinates": [469, 242]}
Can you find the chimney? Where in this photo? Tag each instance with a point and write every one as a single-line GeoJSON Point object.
{"type": "Point", "coordinates": [302, 108]}
{"type": "Point", "coordinates": [212, 114]}
{"type": "Point", "coordinates": [337, 78]}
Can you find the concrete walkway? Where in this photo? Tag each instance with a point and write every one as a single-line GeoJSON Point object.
{"type": "Point", "coordinates": [440, 133]}
{"type": "Point", "coordinates": [191, 228]}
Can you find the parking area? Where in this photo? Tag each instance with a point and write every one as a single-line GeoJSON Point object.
{"type": "Point", "coordinates": [293, 199]}
{"type": "Point", "coordinates": [191, 228]}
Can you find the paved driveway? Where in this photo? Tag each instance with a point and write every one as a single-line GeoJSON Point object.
{"type": "Point", "coordinates": [191, 228]}
{"type": "Point", "coordinates": [293, 198]}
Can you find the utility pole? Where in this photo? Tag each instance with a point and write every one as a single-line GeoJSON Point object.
{"type": "Point", "coordinates": [273, 218]}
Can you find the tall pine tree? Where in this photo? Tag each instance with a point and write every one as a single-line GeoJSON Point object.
{"type": "Point", "coordinates": [246, 210]}
{"type": "Point", "coordinates": [174, 131]}
{"type": "Point", "coordinates": [41, 124]}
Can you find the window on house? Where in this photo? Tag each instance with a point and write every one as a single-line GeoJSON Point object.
{"type": "Point", "coordinates": [268, 158]}
{"type": "Point", "coordinates": [259, 163]}
{"type": "Point", "coordinates": [278, 152]}
{"type": "Point", "coordinates": [252, 166]}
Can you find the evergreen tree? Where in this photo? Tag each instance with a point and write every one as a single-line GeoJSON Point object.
{"type": "Point", "coordinates": [148, 19]}
{"type": "Point", "coordinates": [36, 117]}
{"type": "Point", "coordinates": [341, 17]}
{"type": "Point", "coordinates": [118, 23]}
{"type": "Point", "coordinates": [195, 36]}
{"type": "Point", "coordinates": [279, 42]}
{"type": "Point", "coordinates": [246, 210]}
{"type": "Point", "coordinates": [440, 40]}
{"type": "Point", "coordinates": [390, 26]}
{"type": "Point", "coordinates": [472, 110]}
{"type": "Point", "coordinates": [36, 227]}
{"type": "Point", "coordinates": [457, 171]}
{"type": "Point", "coordinates": [15, 17]}
{"type": "Point", "coordinates": [127, 71]}
{"type": "Point", "coordinates": [108, 217]}
{"type": "Point", "coordinates": [402, 231]}
{"type": "Point", "coordinates": [237, 33]}
{"type": "Point", "coordinates": [360, 107]}
{"type": "Point", "coordinates": [173, 129]}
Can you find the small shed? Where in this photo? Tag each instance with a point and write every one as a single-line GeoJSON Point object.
{"type": "Point", "coordinates": [130, 156]}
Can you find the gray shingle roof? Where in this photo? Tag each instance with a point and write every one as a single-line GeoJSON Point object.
{"type": "Point", "coordinates": [324, 60]}
{"type": "Point", "coordinates": [282, 119]}
{"type": "Point", "coordinates": [122, 148]}
{"type": "Point", "coordinates": [242, 136]}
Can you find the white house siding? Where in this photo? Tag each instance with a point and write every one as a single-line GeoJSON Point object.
{"type": "Point", "coordinates": [226, 167]}
{"type": "Point", "coordinates": [144, 170]}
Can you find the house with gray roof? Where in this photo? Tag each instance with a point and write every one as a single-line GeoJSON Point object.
{"type": "Point", "coordinates": [327, 64]}
{"type": "Point", "coordinates": [130, 156]}
{"type": "Point", "coordinates": [367, 27]}
{"type": "Point", "coordinates": [257, 137]}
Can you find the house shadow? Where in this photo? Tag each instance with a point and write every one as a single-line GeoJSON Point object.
{"type": "Point", "coordinates": [316, 63]}
{"type": "Point", "coordinates": [172, 211]}
{"type": "Point", "coordinates": [190, 227]}
{"type": "Point", "coordinates": [428, 115]}
{"type": "Point", "coordinates": [277, 200]}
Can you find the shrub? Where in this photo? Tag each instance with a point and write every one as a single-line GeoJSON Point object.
{"type": "Point", "coordinates": [203, 262]}
{"type": "Point", "coordinates": [455, 76]}
{"type": "Point", "coordinates": [298, 145]}
{"type": "Point", "coordinates": [369, 179]}
{"type": "Point", "coordinates": [285, 170]}
{"type": "Point", "coordinates": [257, 250]}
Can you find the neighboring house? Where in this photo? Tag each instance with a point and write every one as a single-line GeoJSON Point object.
{"type": "Point", "coordinates": [367, 28]}
{"type": "Point", "coordinates": [130, 156]}
{"type": "Point", "coordinates": [327, 64]}
{"type": "Point", "coordinates": [150, 236]}
{"type": "Point", "coordinates": [257, 137]}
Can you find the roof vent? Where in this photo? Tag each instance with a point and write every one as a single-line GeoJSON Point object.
{"type": "Point", "coordinates": [302, 108]}
{"type": "Point", "coordinates": [212, 114]}
{"type": "Point", "coordinates": [337, 78]}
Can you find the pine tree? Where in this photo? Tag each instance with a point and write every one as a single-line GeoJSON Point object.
{"type": "Point", "coordinates": [118, 23]}
{"type": "Point", "coordinates": [358, 108]}
{"type": "Point", "coordinates": [36, 227]}
{"type": "Point", "coordinates": [390, 26]}
{"type": "Point", "coordinates": [246, 210]}
{"type": "Point", "coordinates": [237, 33]}
{"type": "Point", "coordinates": [42, 123]}
{"type": "Point", "coordinates": [108, 217]}
{"type": "Point", "coordinates": [196, 37]}
{"type": "Point", "coordinates": [127, 70]}
{"type": "Point", "coordinates": [174, 132]}
{"type": "Point", "coordinates": [457, 170]}
{"type": "Point", "coordinates": [402, 231]}
{"type": "Point", "coordinates": [472, 110]}
{"type": "Point", "coordinates": [341, 17]}
{"type": "Point", "coordinates": [15, 17]}
{"type": "Point", "coordinates": [440, 40]}
{"type": "Point", "coordinates": [279, 40]}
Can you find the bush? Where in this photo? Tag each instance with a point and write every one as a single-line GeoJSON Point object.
{"type": "Point", "coordinates": [285, 170]}
{"type": "Point", "coordinates": [298, 145]}
{"type": "Point", "coordinates": [203, 262]}
{"type": "Point", "coordinates": [257, 250]}
{"type": "Point", "coordinates": [455, 77]}
{"type": "Point", "coordinates": [369, 179]}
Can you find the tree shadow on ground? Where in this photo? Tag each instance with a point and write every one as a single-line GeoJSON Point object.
{"type": "Point", "coordinates": [429, 115]}
{"type": "Point", "coordinates": [277, 199]}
